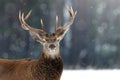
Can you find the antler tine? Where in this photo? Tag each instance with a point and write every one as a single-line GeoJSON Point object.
{"type": "Point", "coordinates": [24, 24]}
{"type": "Point", "coordinates": [27, 16]}
{"type": "Point", "coordinates": [21, 18]}
{"type": "Point", "coordinates": [72, 16]}
{"type": "Point", "coordinates": [56, 23]}
{"type": "Point", "coordinates": [43, 26]}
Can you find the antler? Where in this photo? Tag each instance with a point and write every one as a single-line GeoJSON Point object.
{"type": "Point", "coordinates": [72, 16]}
{"type": "Point", "coordinates": [25, 25]}
{"type": "Point", "coordinates": [61, 31]}
{"type": "Point", "coordinates": [56, 23]}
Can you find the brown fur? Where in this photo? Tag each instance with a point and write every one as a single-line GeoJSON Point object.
{"type": "Point", "coordinates": [27, 69]}
{"type": "Point", "coordinates": [50, 65]}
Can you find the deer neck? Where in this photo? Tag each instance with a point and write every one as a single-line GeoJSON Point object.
{"type": "Point", "coordinates": [48, 67]}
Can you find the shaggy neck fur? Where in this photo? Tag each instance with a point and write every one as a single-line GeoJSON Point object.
{"type": "Point", "coordinates": [48, 68]}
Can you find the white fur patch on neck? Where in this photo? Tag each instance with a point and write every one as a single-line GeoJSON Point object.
{"type": "Point", "coordinates": [52, 53]}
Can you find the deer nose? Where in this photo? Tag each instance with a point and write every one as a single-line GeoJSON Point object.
{"type": "Point", "coordinates": [52, 46]}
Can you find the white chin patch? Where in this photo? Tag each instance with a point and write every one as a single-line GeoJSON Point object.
{"type": "Point", "coordinates": [52, 50]}
{"type": "Point", "coordinates": [53, 53]}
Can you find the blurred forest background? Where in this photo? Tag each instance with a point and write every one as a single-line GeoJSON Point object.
{"type": "Point", "coordinates": [93, 40]}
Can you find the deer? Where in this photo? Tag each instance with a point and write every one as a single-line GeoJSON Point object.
{"type": "Point", "coordinates": [50, 65]}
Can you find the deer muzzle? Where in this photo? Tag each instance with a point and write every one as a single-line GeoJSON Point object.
{"type": "Point", "coordinates": [52, 46]}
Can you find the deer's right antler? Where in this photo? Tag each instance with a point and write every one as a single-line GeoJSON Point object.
{"type": "Point", "coordinates": [25, 25]}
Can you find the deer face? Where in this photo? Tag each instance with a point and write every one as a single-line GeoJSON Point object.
{"type": "Point", "coordinates": [50, 42]}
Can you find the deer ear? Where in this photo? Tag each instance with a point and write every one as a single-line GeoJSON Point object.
{"type": "Point", "coordinates": [36, 36]}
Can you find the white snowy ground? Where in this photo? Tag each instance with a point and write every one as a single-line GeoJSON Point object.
{"type": "Point", "coordinates": [91, 75]}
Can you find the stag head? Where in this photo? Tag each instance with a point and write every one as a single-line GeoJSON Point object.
{"type": "Point", "coordinates": [51, 41]}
